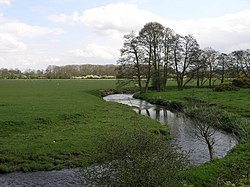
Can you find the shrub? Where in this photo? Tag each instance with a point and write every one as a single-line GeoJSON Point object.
{"type": "Point", "coordinates": [226, 87]}
{"type": "Point", "coordinates": [241, 82]}
{"type": "Point", "coordinates": [171, 105]}
{"type": "Point", "coordinates": [137, 158]}
{"type": "Point", "coordinates": [176, 106]}
{"type": "Point", "coordinates": [220, 119]}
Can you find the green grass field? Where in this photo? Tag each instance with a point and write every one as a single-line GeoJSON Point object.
{"type": "Point", "coordinates": [53, 124]}
{"type": "Point", "coordinates": [235, 167]}
{"type": "Point", "coordinates": [232, 101]}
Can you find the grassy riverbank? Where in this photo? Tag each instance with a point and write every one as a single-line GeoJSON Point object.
{"type": "Point", "coordinates": [231, 101]}
{"type": "Point", "coordinates": [53, 124]}
{"type": "Point", "coordinates": [235, 167]}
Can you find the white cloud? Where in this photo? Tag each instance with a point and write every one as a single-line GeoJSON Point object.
{"type": "Point", "coordinates": [109, 23]}
{"type": "Point", "coordinates": [114, 20]}
{"type": "Point", "coordinates": [18, 29]}
{"type": "Point", "coordinates": [27, 62]}
{"type": "Point", "coordinates": [24, 60]}
{"type": "Point", "coordinates": [5, 2]}
{"type": "Point", "coordinates": [14, 33]}
{"type": "Point", "coordinates": [21, 45]}
{"type": "Point", "coordinates": [75, 17]}
{"type": "Point", "coordinates": [94, 51]}
{"type": "Point", "coordinates": [9, 44]}
{"type": "Point", "coordinates": [52, 60]}
{"type": "Point", "coordinates": [19, 60]}
{"type": "Point", "coordinates": [118, 17]}
{"type": "Point", "coordinates": [223, 33]}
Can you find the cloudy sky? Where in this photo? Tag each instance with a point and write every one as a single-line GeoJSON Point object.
{"type": "Point", "coordinates": [38, 33]}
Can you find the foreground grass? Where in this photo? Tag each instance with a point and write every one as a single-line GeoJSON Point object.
{"type": "Point", "coordinates": [235, 167]}
{"type": "Point", "coordinates": [53, 124]}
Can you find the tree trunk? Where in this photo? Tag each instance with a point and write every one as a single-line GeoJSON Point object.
{"type": "Point", "coordinates": [138, 70]}
{"type": "Point", "coordinates": [147, 84]}
{"type": "Point", "coordinates": [198, 82]}
{"type": "Point", "coordinates": [222, 78]}
{"type": "Point", "coordinates": [222, 74]}
{"type": "Point", "coordinates": [198, 79]}
{"type": "Point", "coordinates": [165, 76]}
{"type": "Point", "coordinates": [210, 80]}
{"type": "Point", "coordinates": [149, 69]}
{"type": "Point", "coordinates": [210, 150]}
{"type": "Point", "coordinates": [148, 78]}
{"type": "Point", "coordinates": [180, 82]}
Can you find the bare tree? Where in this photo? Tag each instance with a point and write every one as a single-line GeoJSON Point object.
{"type": "Point", "coordinates": [131, 58]}
{"type": "Point", "coordinates": [201, 74]}
{"type": "Point", "coordinates": [204, 131]}
{"type": "Point", "coordinates": [167, 58]}
{"type": "Point", "coordinates": [242, 61]}
{"type": "Point", "coordinates": [185, 50]}
{"type": "Point", "coordinates": [209, 56]}
{"type": "Point", "coordinates": [223, 61]}
{"type": "Point", "coordinates": [205, 121]}
{"type": "Point", "coordinates": [151, 37]}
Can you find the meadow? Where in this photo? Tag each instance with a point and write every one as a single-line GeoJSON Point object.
{"type": "Point", "coordinates": [234, 169]}
{"type": "Point", "coordinates": [54, 124]}
{"type": "Point", "coordinates": [232, 101]}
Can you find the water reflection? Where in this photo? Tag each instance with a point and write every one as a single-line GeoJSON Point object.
{"type": "Point", "coordinates": [182, 129]}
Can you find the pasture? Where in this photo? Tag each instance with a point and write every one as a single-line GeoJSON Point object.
{"type": "Point", "coordinates": [235, 167]}
{"type": "Point", "coordinates": [232, 101]}
{"type": "Point", "coordinates": [54, 124]}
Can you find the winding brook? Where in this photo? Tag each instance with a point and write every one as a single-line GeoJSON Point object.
{"type": "Point", "coordinates": [182, 130]}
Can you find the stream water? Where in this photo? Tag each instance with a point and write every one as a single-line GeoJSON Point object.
{"type": "Point", "coordinates": [183, 138]}
{"type": "Point", "coordinates": [182, 129]}
{"type": "Point", "coordinates": [62, 178]}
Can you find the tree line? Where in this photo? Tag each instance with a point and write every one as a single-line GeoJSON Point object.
{"type": "Point", "coordinates": [60, 72]}
{"type": "Point", "coordinates": [70, 71]}
{"type": "Point", "coordinates": [157, 53]}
